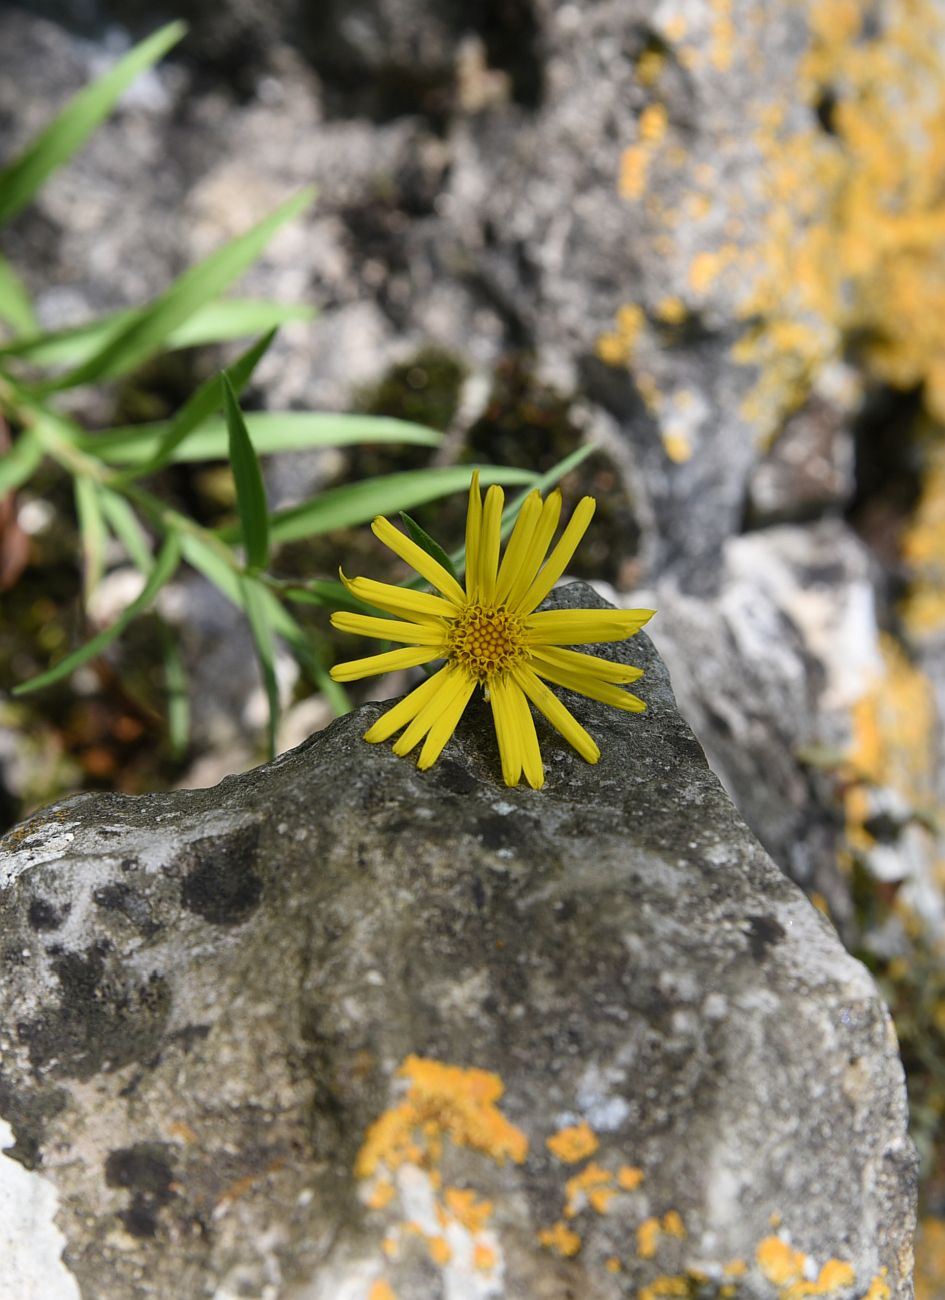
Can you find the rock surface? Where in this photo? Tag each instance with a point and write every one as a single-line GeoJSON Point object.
{"type": "Point", "coordinates": [306, 1036]}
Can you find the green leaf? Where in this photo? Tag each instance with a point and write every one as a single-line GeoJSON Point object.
{"type": "Point", "coordinates": [15, 306]}
{"type": "Point", "coordinates": [167, 561]}
{"type": "Point", "coordinates": [20, 179]}
{"type": "Point", "coordinates": [126, 527]}
{"type": "Point", "coordinates": [357, 503]}
{"type": "Point", "coordinates": [207, 399]}
{"type": "Point", "coordinates": [426, 543]}
{"type": "Point", "coordinates": [256, 612]}
{"type": "Point", "coordinates": [92, 531]}
{"type": "Point", "coordinates": [215, 322]}
{"type": "Point", "coordinates": [18, 464]}
{"type": "Point", "coordinates": [226, 579]}
{"type": "Point", "coordinates": [545, 481]}
{"type": "Point", "coordinates": [326, 593]}
{"type": "Point", "coordinates": [175, 684]}
{"type": "Point", "coordinates": [271, 432]}
{"type": "Point", "coordinates": [250, 491]}
{"type": "Point", "coordinates": [150, 327]}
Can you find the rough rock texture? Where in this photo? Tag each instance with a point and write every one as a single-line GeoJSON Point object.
{"type": "Point", "coordinates": [255, 1038]}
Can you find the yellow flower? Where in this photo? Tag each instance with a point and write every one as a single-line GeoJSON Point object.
{"type": "Point", "coordinates": [492, 635]}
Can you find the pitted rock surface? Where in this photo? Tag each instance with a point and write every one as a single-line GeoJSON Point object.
{"type": "Point", "coordinates": [208, 996]}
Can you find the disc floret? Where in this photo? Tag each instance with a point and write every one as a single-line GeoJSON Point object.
{"type": "Point", "coordinates": [486, 640]}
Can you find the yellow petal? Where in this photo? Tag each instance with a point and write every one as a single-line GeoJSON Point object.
{"type": "Point", "coordinates": [583, 626]}
{"type": "Point", "coordinates": [406, 709]}
{"type": "Point", "coordinates": [503, 716]}
{"type": "Point", "coordinates": [487, 560]}
{"type": "Point", "coordinates": [438, 704]}
{"type": "Point", "coordinates": [390, 661]}
{"type": "Point", "coordinates": [544, 531]}
{"type": "Point", "coordinates": [389, 629]}
{"type": "Point", "coordinates": [444, 726]}
{"type": "Point", "coordinates": [561, 718]}
{"type": "Point", "coordinates": [584, 684]}
{"type": "Point", "coordinates": [418, 559]}
{"type": "Point", "coordinates": [473, 533]}
{"type": "Point", "coordinates": [400, 601]}
{"type": "Point", "coordinates": [558, 559]}
{"type": "Point", "coordinates": [519, 545]}
{"type": "Point", "coordinates": [604, 670]}
{"type": "Point", "coordinates": [531, 753]}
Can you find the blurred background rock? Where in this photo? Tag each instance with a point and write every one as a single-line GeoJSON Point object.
{"type": "Point", "coordinates": [707, 234]}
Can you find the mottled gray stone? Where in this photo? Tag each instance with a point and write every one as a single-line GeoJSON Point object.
{"type": "Point", "coordinates": [207, 996]}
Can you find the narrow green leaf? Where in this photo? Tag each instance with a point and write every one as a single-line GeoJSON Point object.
{"type": "Point", "coordinates": [178, 701]}
{"type": "Point", "coordinates": [250, 490]}
{"type": "Point", "coordinates": [167, 561]}
{"type": "Point", "coordinates": [215, 322]}
{"type": "Point", "coordinates": [226, 579]}
{"type": "Point", "coordinates": [545, 481]}
{"type": "Point", "coordinates": [15, 306]}
{"type": "Point", "coordinates": [426, 542]}
{"type": "Point", "coordinates": [150, 327]}
{"type": "Point", "coordinates": [92, 531]}
{"type": "Point", "coordinates": [327, 594]}
{"type": "Point", "coordinates": [271, 432]}
{"type": "Point", "coordinates": [358, 503]}
{"type": "Point", "coordinates": [125, 525]}
{"type": "Point", "coordinates": [256, 612]}
{"type": "Point", "coordinates": [18, 464]}
{"type": "Point", "coordinates": [20, 179]}
{"type": "Point", "coordinates": [201, 404]}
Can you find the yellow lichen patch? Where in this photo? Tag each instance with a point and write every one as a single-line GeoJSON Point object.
{"type": "Point", "coordinates": [779, 1261]}
{"type": "Point", "coordinates": [573, 1143]}
{"type": "Point", "coordinates": [673, 1225]}
{"type": "Point", "coordinates": [381, 1194]}
{"type": "Point", "coordinates": [735, 1268]}
{"type": "Point", "coordinates": [634, 162]}
{"type": "Point", "coordinates": [930, 1259]}
{"type": "Point", "coordinates": [442, 1101]}
{"type": "Point", "coordinates": [484, 1258]}
{"type": "Point", "coordinates": [894, 729]}
{"type": "Point", "coordinates": [653, 123]}
{"type": "Point", "coordinates": [671, 310]}
{"type": "Point", "coordinates": [923, 548]}
{"type": "Point", "coordinates": [649, 66]}
{"type": "Point", "coordinates": [466, 1207]}
{"type": "Point", "coordinates": [612, 1264]}
{"type": "Point", "coordinates": [593, 1186]}
{"type": "Point", "coordinates": [667, 1288]}
{"type": "Point", "coordinates": [834, 1276]}
{"type": "Point", "coordinates": [677, 446]}
{"type": "Point", "coordinates": [439, 1249]}
{"type": "Point", "coordinates": [381, 1290]}
{"type": "Point", "coordinates": [629, 1177]}
{"type": "Point", "coordinates": [706, 267]}
{"type": "Point", "coordinates": [648, 1235]}
{"type": "Point", "coordinates": [561, 1239]}
{"type": "Point", "coordinates": [617, 348]}
{"type": "Point", "coordinates": [879, 1289]}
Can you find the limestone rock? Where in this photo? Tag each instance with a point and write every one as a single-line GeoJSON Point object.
{"type": "Point", "coordinates": [339, 1030]}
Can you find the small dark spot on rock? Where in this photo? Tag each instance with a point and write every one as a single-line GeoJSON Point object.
{"type": "Point", "coordinates": [44, 915]}
{"type": "Point", "coordinates": [450, 776]}
{"type": "Point", "coordinates": [188, 1035]}
{"type": "Point", "coordinates": [144, 1171]}
{"type": "Point", "coordinates": [763, 933]}
{"type": "Point", "coordinates": [223, 887]}
{"type": "Point", "coordinates": [119, 897]}
{"type": "Point", "coordinates": [478, 893]}
{"type": "Point", "coordinates": [496, 832]}
{"type": "Point", "coordinates": [129, 864]}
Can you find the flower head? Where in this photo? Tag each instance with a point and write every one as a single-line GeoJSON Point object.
{"type": "Point", "coordinates": [492, 635]}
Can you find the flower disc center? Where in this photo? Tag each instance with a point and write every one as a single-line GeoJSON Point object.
{"type": "Point", "coordinates": [486, 639]}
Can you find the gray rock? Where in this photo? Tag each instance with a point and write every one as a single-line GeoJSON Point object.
{"type": "Point", "coordinates": [209, 998]}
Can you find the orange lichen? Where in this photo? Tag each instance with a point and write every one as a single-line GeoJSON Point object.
{"type": "Point", "coordinates": [735, 1268]}
{"type": "Point", "coordinates": [653, 123]}
{"type": "Point", "coordinates": [634, 162]}
{"type": "Point", "coordinates": [617, 348]}
{"type": "Point", "coordinates": [381, 1194]}
{"type": "Point", "coordinates": [573, 1143]}
{"type": "Point", "coordinates": [466, 1207]}
{"type": "Point", "coordinates": [779, 1261]}
{"type": "Point", "coordinates": [629, 1177]}
{"type": "Point", "coordinates": [923, 548]}
{"type": "Point", "coordinates": [834, 1276]}
{"type": "Point", "coordinates": [671, 310]}
{"type": "Point", "coordinates": [879, 1289]}
{"type": "Point", "coordinates": [593, 1185]}
{"type": "Point", "coordinates": [612, 1264]}
{"type": "Point", "coordinates": [560, 1239]}
{"type": "Point", "coordinates": [484, 1258]}
{"type": "Point", "coordinates": [648, 1235]}
{"type": "Point", "coordinates": [673, 1225]}
{"type": "Point", "coordinates": [442, 1101]}
{"type": "Point", "coordinates": [439, 1249]}
{"type": "Point", "coordinates": [667, 1288]}
{"type": "Point", "coordinates": [381, 1290]}
{"type": "Point", "coordinates": [649, 66]}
